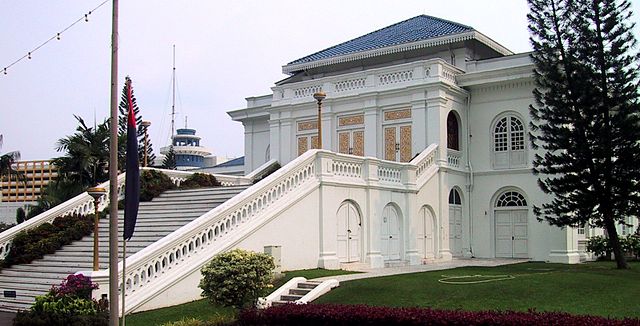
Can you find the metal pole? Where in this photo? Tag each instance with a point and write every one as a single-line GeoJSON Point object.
{"type": "Point", "coordinates": [145, 147]}
{"type": "Point", "coordinates": [320, 124]}
{"type": "Point", "coordinates": [124, 276]}
{"type": "Point", "coordinates": [113, 175]}
{"type": "Point", "coordinates": [96, 254]}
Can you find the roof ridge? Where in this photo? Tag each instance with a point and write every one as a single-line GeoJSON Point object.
{"type": "Point", "coordinates": [441, 20]}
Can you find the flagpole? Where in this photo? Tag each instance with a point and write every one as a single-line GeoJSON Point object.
{"type": "Point", "coordinates": [124, 276]}
{"type": "Point", "coordinates": [113, 175]}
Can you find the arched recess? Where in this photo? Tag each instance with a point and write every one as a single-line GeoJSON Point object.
{"type": "Point", "coordinates": [427, 233]}
{"type": "Point", "coordinates": [349, 235]}
{"type": "Point", "coordinates": [453, 131]}
{"type": "Point", "coordinates": [508, 142]}
{"type": "Point", "coordinates": [511, 215]}
{"type": "Point", "coordinates": [455, 221]}
{"type": "Point", "coordinates": [390, 232]}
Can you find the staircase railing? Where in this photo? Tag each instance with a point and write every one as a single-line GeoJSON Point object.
{"type": "Point", "coordinates": [190, 247]}
{"type": "Point", "coordinates": [80, 204]}
{"type": "Point", "coordinates": [186, 250]}
{"type": "Point", "coordinates": [83, 203]}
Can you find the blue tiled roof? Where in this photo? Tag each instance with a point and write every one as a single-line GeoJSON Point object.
{"type": "Point", "coordinates": [235, 162]}
{"type": "Point", "coordinates": [418, 28]}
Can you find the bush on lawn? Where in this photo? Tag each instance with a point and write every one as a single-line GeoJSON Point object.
{"type": "Point", "coordinates": [33, 244]}
{"type": "Point", "coordinates": [200, 180]}
{"type": "Point", "coordinates": [600, 245]}
{"type": "Point", "coordinates": [237, 278]}
{"type": "Point", "coordinates": [322, 314]}
{"type": "Point", "coordinates": [68, 304]}
{"type": "Point", "coordinates": [153, 183]}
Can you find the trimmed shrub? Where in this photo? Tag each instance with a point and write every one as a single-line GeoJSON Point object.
{"type": "Point", "coordinates": [68, 304]}
{"type": "Point", "coordinates": [325, 314]}
{"type": "Point", "coordinates": [200, 180]}
{"type": "Point", "coordinates": [153, 183]}
{"type": "Point", "coordinates": [33, 244]}
{"type": "Point", "coordinates": [237, 278]}
{"type": "Point", "coordinates": [600, 245]}
{"type": "Point", "coordinates": [21, 215]}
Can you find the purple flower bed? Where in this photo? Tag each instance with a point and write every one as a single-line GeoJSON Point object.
{"type": "Point", "coordinates": [329, 314]}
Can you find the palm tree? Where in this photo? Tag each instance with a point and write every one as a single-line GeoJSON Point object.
{"type": "Point", "coordinates": [6, 165]}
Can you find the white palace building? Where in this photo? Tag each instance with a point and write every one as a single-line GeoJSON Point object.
{"type": "Point", "coordinates": [424, 85]}
{"type": "Point", "coordinates": [425, 157]}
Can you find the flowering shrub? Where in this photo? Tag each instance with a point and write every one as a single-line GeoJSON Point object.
{"type": "Point", "coordinates": [68, 304]}
{"type": "Point", "coordinates": [600, 245]}
{"type": "Point", "coordinates": [312, 314]}
{"type": "Point", "coordinates": [236, 278]}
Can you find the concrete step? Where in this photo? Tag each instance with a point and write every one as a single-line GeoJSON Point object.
{"type": "Point", "coordinates": [8, 305]}
{"type": "Point", "coordinates": [290, 297]}
{"type": "Point", "coordinates": [299, 291]}
{"type": "Point", "coordinates": [308, 285]}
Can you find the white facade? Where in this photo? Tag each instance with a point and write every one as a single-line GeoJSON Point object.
{"type": "Point", "coordinates": [481, 202]}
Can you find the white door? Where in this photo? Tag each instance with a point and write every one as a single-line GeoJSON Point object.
{"type": "Point", "coordinates": [348, 233]}
{"type": "Point", "coordinates": [511, 233]}
{"type": "Point", "coordinates": [425, 237]}
{"type": "Point", "coordinates": [390, 234]}
{"type": "Point", "coordinates": [455, 229]}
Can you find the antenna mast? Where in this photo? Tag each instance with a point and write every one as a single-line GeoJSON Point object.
{"type": "Point", "coordinates": [173, 85]}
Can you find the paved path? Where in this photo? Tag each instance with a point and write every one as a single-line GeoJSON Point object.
{"type": "Point", "coordinates": [435, 266]}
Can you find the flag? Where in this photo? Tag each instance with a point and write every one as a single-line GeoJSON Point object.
{"type": "Point", "coordinates": [132, 181]}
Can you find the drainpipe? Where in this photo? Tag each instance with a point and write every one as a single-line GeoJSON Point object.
{"type": "Point", "coordinates": [470, 186]}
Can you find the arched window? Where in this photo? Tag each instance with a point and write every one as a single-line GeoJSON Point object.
{"type": "Point", "coordinates": [511, 199]}
{"type": "Point", "coordinates": [453, 141]}
{"type": "Point", "coordinates": [509, 150]}
{"type": "Point", "coordinates": [454, 197]}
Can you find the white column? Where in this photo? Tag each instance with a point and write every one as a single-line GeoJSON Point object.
{"type": "Point", "coordinates": [287, 141]}
{"type": "Point", "coordinates": [419, 125]}
{"type": "Point", "coordinates": [437, 122]}
{"type": "Point", "coordinates": [327, 128]}
{"type": "Point", "coordinates": [248, 147]}
{"type": "Point", "coordinates": [371, 130]}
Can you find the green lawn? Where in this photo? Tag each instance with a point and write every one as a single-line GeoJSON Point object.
{"type": "Point", "coordinates": [203, 310]}
{"type": "Point", "coordinates": [593, 288]}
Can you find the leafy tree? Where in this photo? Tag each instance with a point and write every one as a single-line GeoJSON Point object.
{"type": "Point", "coordinates": [169, 161]}
{"type": "Point", "coordinates": [587, 113]}
{"type": "Point", "coordinates": [123, 107]}
{"type": "Point", "coordinates": [6, 165]}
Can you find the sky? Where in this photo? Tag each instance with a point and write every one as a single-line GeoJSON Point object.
{"type": "Point", "coordinates": [226, 51]}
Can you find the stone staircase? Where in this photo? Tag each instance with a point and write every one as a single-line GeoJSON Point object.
{"type": "Point", "coordinates": [20, 284]}
{"type": "Point", "coordinates": [296, 293]}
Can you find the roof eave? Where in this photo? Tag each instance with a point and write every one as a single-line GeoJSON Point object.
{"type": "Point", "coordinates": [443, 40]}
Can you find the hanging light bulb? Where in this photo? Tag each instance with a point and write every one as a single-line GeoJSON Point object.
{"type": "Point", "coordinates": [5, 71]}
{"type": "Point", "coordinates": [58, 36]}
{"type": "Point", "coordinates": [29, 55]}
{"type": "Point", "coordinates": [86, 17]}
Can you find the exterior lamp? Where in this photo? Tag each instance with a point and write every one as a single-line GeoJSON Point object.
{"type": "Point", "coordinates": [146, 125]}
{"type": "Point", "coordinates": [96, 193]}
{"type": "Point", "coordinates": [319, 96]}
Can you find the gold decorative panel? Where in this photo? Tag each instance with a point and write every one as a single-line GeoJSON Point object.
{"type": "Point", "coordinates": [302, 145]}
{"type": "Point", "coordinates": [307, 125]}
{"type": "Point", "coordinates": [351, 121]}
{"type": "Point", "coordinates": [405, 143]}
{"type": "Point", "coordinates": [358, 142]}
{"type": "Point", "coordinates": [390, 143]}
{"type": "Point", "coordinates": [343, 142]}
{"type": "Point", "coordinates": [397, 114]}
{"type": "Point", "coordinates": [314, 141]}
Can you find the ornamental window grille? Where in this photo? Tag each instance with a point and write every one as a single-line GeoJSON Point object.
{"type": "Point", "coordinates": [509, 150]}
{"type": "Point", "coordinates": [511, 199]}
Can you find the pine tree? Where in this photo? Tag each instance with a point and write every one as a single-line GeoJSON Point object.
{"type": "Point", "coordinates": [169, 161]}
{"type": "Point", "coordinates": [586, 116]}
{"type": "Point", "coordinates": [122, 124]}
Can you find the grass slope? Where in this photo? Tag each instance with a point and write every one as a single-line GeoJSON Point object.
{"type": "Point", "coordinates": [593, 288]}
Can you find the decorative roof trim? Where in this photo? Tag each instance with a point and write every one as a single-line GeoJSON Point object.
{"type": "Point", "coordinates": [443, 40]}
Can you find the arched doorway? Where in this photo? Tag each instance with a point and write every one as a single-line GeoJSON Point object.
{"type": "Point", "coordinates": [349, 224]}
{"type": "Point", "coordinates": [455, 222]}
{"type": "Point", "coordinates": [511, 232]}
{"type": "Point", "coordinates": [390, 233]}
{"type": "Point", "coordinates": [426, 234]}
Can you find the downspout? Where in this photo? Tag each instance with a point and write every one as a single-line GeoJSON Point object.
{"type": "Point", "coordinates": [470, 186]}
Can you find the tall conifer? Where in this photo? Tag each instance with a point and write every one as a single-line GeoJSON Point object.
{"type": "Point", "coordinates": [122, 125]}
{"type": "Point", "coordinates": [586, 117]}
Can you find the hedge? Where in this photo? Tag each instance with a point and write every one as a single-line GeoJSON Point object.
{"type": "Point", "coordinates": [331, 314]}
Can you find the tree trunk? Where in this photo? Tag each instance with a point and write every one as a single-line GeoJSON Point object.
{"type": "Point", "coordinates": [621, 262]}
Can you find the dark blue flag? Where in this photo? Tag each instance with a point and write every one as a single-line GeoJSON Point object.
{"type": "Point", "coordinates": [132, 181]}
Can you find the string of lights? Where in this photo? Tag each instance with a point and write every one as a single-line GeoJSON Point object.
{"type": "Point", "coordinates": [57, 36]}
